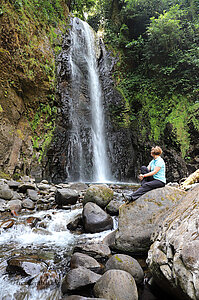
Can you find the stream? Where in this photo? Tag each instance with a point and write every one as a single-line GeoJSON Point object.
{"type": "Point", "coordinates": [52, 244]}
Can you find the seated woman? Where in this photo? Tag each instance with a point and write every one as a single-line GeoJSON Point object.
{"type": "Point", "coordinates": [152, 177]}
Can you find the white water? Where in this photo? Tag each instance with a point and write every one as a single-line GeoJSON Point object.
{"type": "Point", "coordinates": [83, 53]}
{"type": "Point", "coordinates": [101, 164]}
{"type": "Point", "coordinates": [21, 239]}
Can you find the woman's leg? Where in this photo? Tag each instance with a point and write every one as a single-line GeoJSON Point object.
{"type": "Point", "coordinates": [146, 187]}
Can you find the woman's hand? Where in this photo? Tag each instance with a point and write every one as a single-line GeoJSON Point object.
{"type": "Point", "coordinates": [141, 177]}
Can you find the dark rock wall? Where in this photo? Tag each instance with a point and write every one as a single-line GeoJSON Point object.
{"type": "Point", "coordinates": [74, 99]}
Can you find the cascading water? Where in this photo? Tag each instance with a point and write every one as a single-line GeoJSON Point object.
{"type": "Point", "coordinates": [86, 153]}
{"type": "Point", "coordinates": [52, 243]}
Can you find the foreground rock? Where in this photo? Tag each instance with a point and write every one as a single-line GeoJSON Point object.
{"type": "Point", "coordinates": [25, 266]}
{"type": "Point", "coordinates": [126, 263]}
{"type": "Point", "coordinates": [99, 194]}
{"type": "Point", "coordinates": [139, 219]}
{"type": "Point", "coordinates": [116, 284]}
{"type": "Point", "coordinates": [66, 196]}
{"type": "Point", "coordinates": [84, 260]}
{"type": "Point", "coordinates": [99, 251]}
{"type": "Point", "coordinates": [174, 256]}
{"type": "Point", "coordinates": [113, 207]}
{"type": "Point", "coordinates": [5, 192]}
{"type": "Point", "coordinates": [78, 278]}
{"type": "Point", "coordinates": [96, 219]}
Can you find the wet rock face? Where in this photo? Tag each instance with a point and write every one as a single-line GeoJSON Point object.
{"type": "Point", "coordinates": [174, 255]}
{"type": "Point", "coordinates": [75, 112]}
{"type": "Point", "coordinates": [119, 137]}
{"type": "Point", "coordinates": [139, 219]}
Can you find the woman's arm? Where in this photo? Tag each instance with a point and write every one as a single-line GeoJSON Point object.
{"type": "Point", "coordinates": [155, 171]}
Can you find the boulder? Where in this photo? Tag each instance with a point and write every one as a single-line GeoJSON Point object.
{"type": "Point", "coordinates": [139, 219]}
{"type": "Point", "coordinates": [17, 196]}
{"type": "Point", "coordinates": [99, 251]}
{"type": "Point", "coordinates": [116, 284]}
{"type": "Point", "coordinates": [78, 278]}
{"type": "Point", "coordinates": [76, 224]}
{"type": "Point", "coordinates": [174, 256]}
{"type": "Point", "coordinates": [25, 266]}
{"type": "Point", "coordinates": [5, 192]}
{"type": "Point", "coordinates": [84, 260]}
{"type": "Point", "coordinates": [13, 184]}
{"type": "Point", "coordinates": [109, 240]}
{"type": "Point", "coordinates": [33, 195]}
{"type": "Point", "coordinates": [27, 203]}
{"type": "Point", "coordinates": [43, 186]}
{"type": "Point", "coordinates": [66, 196]}
{"type": "Point", "coordinates": [99, 194]}
{"type": "Point", "coordinates": [23, 187]}
{"type": "Point", "coordinates": [113, 207]}
{"type": "Point", "coordinates": [96, 219]}
{"type": "Point", "coordinates": [15, 205]}
{"type": "Point", "coordinates": [126, 263]}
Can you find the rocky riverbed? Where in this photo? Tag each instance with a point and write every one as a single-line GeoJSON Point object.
{"type": "Point", "coordinates": [81, 241]}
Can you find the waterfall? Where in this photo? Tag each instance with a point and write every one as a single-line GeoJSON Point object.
{"type": "Point", "coordinates": [87, 151]}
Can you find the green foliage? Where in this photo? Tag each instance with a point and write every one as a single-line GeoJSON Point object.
{"type": "Point", "coordinates": [43, 126]}
{"type": "Point", "coordinates": [158, 66]}
{"type": "Point", "coordinates": [80, 7]}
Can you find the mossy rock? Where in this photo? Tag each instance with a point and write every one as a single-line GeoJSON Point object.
{"type": "Point", "coordinates": [99, 194]}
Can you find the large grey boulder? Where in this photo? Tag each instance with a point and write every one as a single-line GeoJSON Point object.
{"type": "Point", "coordinates": [5, 192]}
{"type": "Point", "coordinates": [174, 256]}
{"type": "Point", "coordinates": [98, 250]}
{"type": "Point", "coordinates": [15, 205]}
{"type": "Point", "coordinates": [126, 263]}
{"type": "Point", "coordinates": [96, 219]}
{"type": "Point", "coordinates": [33, 195]}
{"type": "Point", "coordinates": [139, 219]}
{"type": "Point", "coordinates": [84, 260]}
{"type": "Point", "coordinates": [66, 196]}
{"type": "Point", "coordinates": [116, 284]}
{"type": "Point", "coordinates": [99, 194]}
{"type": "Point", "coordinates": [78, 278]}
{"type": "Point", "coordinates": [28, 203]}
{"type": "Point", "coordinates": [113, 207]}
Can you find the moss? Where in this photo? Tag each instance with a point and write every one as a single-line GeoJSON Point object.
{"type": "Point", "coordinates": [5, 175]}
{"type": "Point", "coordinates": [31, 33]}
{"type": "Point", "coordinates": [118, 259]}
